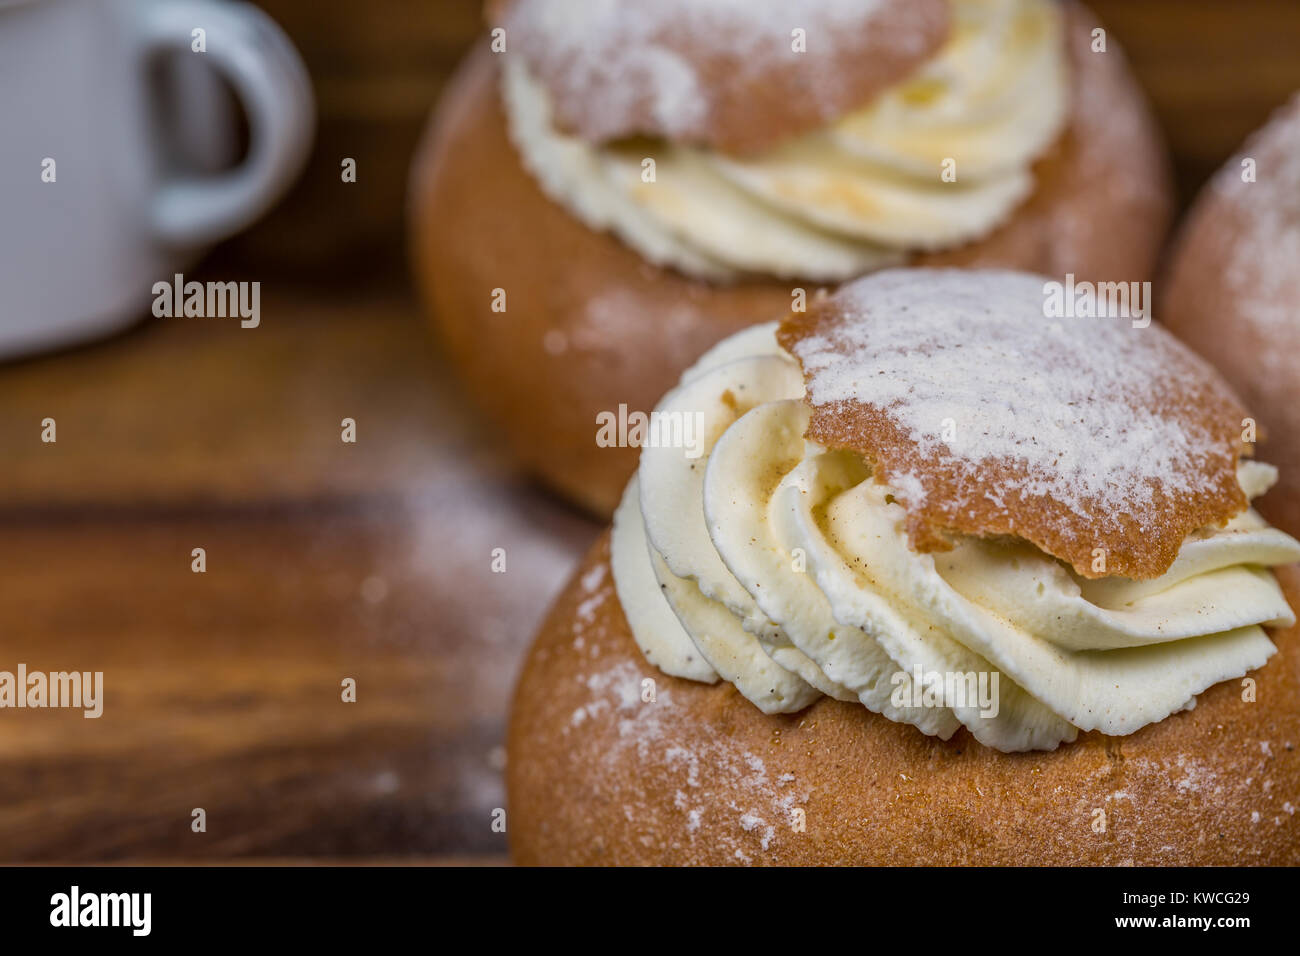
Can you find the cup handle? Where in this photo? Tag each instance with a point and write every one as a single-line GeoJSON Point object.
{"type": "Point", "coordinates": [268, 77]}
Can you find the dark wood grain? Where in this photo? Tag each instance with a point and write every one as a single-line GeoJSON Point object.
{"type": "Point", "coordinates": [325, 560]}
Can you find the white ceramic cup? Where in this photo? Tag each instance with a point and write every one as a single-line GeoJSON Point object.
{"type": "Point", "coordinates": [80, 254]}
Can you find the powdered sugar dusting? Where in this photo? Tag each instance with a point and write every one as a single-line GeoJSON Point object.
{"type": "Point", "coordinates": [595, 595]}
{"type": "Point", "coordinates": [718, 786]}
{"type": "Point", "coordinates": [1259, 263]}
{"type": "Point", "coordinates": [616, 67]}
{"type": "Point", "coordinates": [722, 790]}
{"type": "Point", "coordinates": [968, 364]}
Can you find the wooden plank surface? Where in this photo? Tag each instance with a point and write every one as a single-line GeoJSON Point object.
{"type": "Point", "coordinates": [328, 560]}
{"type": "Point", "coordinates": [324, 561]}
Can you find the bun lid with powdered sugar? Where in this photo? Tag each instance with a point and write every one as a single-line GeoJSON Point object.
{"type": "Point", "coordinates": [992, 419]}
{"type": "Point", "coordinates": [729, 74]}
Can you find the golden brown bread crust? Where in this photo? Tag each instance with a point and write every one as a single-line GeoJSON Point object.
{"type": "Point", "coordinates": [597, 776]}
{"type": "Point", "coordinates": [753, 89]}
{"type": "Point", "coordinates": [1141, 535]}
{"type": "Point", "coordinates": [620, 331]}
{"type": "Point", "coordinates": [1232, 292]}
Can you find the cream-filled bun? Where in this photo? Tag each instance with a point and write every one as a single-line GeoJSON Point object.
{"type": "Point", "coordinates": [622, 184]}
{"type": "Point", "coordinates": [925, 574]}
{"type": "Point", "coordinates": [1232, 291]}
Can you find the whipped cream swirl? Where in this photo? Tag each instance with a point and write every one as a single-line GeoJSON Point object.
{"type": "Point", "coordinates": [783, 568]}
{"type": "Point", "coordinates": [844, 200]}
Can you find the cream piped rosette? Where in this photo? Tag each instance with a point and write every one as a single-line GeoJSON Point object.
{"type": "Point", "coordinates": [784, 569]}
{"type": "Point", "coordinates": [855, 196]}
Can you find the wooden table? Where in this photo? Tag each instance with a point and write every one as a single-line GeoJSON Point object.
{"type": "Point", "coordinates": [328, 560]}
{"type": "Point", "coordinates": [325, 560]}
